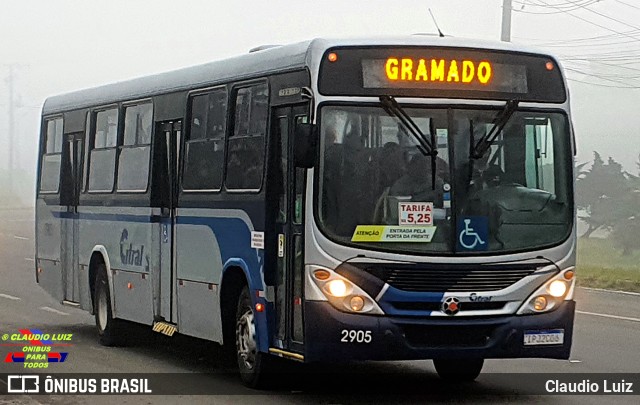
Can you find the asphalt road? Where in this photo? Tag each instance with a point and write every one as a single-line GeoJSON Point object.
{"type": "Point", "coordinates": [606, 340]}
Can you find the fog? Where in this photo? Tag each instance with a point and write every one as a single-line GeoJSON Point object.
{"type": "Point", "coordinates": [50, 47]}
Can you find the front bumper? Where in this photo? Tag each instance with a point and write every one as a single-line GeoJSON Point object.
{"type": "Point", "coordinates": [405, 338]}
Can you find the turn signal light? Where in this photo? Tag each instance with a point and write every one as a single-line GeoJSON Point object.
{"type": "Point", "coordinates": [568, 275]}
{"type": "Point", "coordinates": [321, 275]}
{"type": "Point", "coordinates": [332, 57]}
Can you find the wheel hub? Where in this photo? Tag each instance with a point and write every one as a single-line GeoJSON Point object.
{"type": "Point", "coordinates": [246, 339]}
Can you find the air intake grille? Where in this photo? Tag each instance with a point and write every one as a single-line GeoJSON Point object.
{"type": "Point", "coordinates": [450, 279]}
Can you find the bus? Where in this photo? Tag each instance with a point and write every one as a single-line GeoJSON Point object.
{"type": "Point", "coordinates": [326, 201]}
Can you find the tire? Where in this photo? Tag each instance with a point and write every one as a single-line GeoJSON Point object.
{"type": "Point", "coordinates": [458, 370]}
{"type": "Point", "coordinates": [109, 329]}
{"type": "Point", "coordinates": [254, 366]}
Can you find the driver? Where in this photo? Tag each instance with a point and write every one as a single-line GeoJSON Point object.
{"type": "Point", "coordinates": [493, 176]}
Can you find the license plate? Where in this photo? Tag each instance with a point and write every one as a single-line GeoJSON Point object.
{"type": "Point", "coordinates": [544, 337]}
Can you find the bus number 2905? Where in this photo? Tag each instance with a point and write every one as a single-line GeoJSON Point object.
{"type": "Point", "coordinates": [355, 336]}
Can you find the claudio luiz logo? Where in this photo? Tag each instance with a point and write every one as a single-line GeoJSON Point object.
{"type": "Point", "coordinates": [34, 349]}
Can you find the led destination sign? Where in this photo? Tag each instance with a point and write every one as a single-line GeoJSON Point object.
{"type": "Point", "coordinates": [442, 72]}
{"type": "Point", "coordinates": [407, 69]}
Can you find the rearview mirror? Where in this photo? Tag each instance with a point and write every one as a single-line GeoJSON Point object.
{"type": "Point", "coordinates": [304, 145]}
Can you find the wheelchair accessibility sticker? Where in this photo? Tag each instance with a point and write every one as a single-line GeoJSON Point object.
{"type": "Point", "coordinates": [472, 233]}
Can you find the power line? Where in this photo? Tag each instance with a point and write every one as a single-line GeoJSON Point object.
{"type": "Point", "coordinates": [621, 83]}
{"type": "Point", "coordinates": [627, 4]}
{"type": "Point", "coordinates": [596, 24]}
{"type": "Point", "coordinates": [560, 9]}
{"type": "Point", "coordinates": [566, 5]}
{"type": "Point", "coordinates": [574, 45]}
{"type": "Point", "coordinates": [584, 39]}
{"type": "Point", "coordinates": [602, 85]}
{"type": "Point", "coordinates": [612, 19]}
{"type": "Point", "coordinates": [611, 65]}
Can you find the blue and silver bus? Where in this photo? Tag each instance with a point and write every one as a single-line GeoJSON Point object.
{"type": "Point", "coordinates": [325, 201]}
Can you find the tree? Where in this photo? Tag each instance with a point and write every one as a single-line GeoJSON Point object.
{"type": "Point", "coordinates": [626, 232]}
{"type": "Point", "coordinates": [599, 192]}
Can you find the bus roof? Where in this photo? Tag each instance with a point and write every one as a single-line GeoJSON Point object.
{"type": "Point", "coordinates": [261, 62]}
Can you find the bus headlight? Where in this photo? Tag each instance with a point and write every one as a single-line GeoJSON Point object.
{"type": "Point", "coordinates": [357, 303]}
{"type": "Point", "coordinates": [557, 288]}
{"type": "Point", "coordinates": [337, 288]}
{"type": "Point", "coordinates": [550, 294]}
{"type": "Point", "coordinates": [540, 303]}
{"type": "Point", "coordinates": [341, 293]}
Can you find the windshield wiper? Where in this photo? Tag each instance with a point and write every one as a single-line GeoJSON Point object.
{"type": "Point", "coordinates": [425, 146]}
{"type": "Point", "coordinates": [485, 142]}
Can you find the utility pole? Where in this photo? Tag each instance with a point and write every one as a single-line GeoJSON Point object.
{"type": "Point", "coordinates": [506, 21]}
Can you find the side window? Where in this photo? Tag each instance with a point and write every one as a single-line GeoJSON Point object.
{"type": "Point", "coordinates": [245, 162]}
{"type": "Point", "coordinates": [204, 153]}
{"type": "Point", "coordinates": [106, 132]}
{"type": "Point", "coordinates": [133, 162]}
{"type": "Point", "coordinates": [137, 124]}
{"type": "Point", "coordinates": [539, 159]}
{"type": "Point", "coordinates": [50, 167]}
{"type": "Point", "coordinates": [103, 153]}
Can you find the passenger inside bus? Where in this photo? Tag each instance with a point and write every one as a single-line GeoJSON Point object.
{"type": "Point", "coordinates": [392, 165]}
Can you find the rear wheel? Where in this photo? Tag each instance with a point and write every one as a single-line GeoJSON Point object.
{"type": "Point", "coordinates": [254, 366]}
{"type": "Point", "coordinates": [458, 370]}
{"type": "Point", "coordinates": [109, 329]}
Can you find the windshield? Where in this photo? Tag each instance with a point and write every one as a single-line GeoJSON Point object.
{"type": "Point", "coordinates": [376, 189]}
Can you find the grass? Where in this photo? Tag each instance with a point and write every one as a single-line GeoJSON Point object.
{"type": "Point", "coordinates": [601, 265]}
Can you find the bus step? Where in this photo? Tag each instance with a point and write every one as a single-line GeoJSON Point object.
{"type": "Point", "coordinates": [165, 328]}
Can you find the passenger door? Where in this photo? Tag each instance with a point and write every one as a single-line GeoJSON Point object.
{"type": "Point", "coordinates": [72, 156]}
{"type": "Point", "coordinates": [166, 154]}
{"type": "Point", "coordinates": [289, 229]}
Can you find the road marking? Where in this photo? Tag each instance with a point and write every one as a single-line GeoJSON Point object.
{"type": "Point", "coordinates": [575, 361]}
{"type": "Point", "coordinates": [55, 311]}
{"type": "Point", "coordinates": [11, 297]}
{"type": "Point", "coordinates": [30, 259]}
{"type": "Point", "coordinates": [624, 318]}
{"type": "Point", "coordinates": [611, 291]}
{"type": "Point", "coordinates": [20, 237]}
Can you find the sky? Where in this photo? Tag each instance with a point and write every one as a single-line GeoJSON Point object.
{"type": "Point", "coordinates": [57, 46]}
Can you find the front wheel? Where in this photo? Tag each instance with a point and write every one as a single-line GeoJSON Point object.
{"type": "Point", "coordinates": [458, 370]}
{"type": "Point", "coordinates": [254, 366]}
{"type": "Point", "coordinates": [109, 329]}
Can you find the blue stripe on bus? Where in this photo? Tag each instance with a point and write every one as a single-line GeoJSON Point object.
{"type": "Point", "coordinates": [234, 242]}
{"type": "Point", "coordinates": [233, 234]}
{"type": "Point", "coordinates": [395, 295]}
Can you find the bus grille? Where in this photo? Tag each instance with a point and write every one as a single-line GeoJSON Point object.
{"type": "Point", "coordinates": [437, 306]}
{"type": "Point", "coordinates": [450, 279]}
